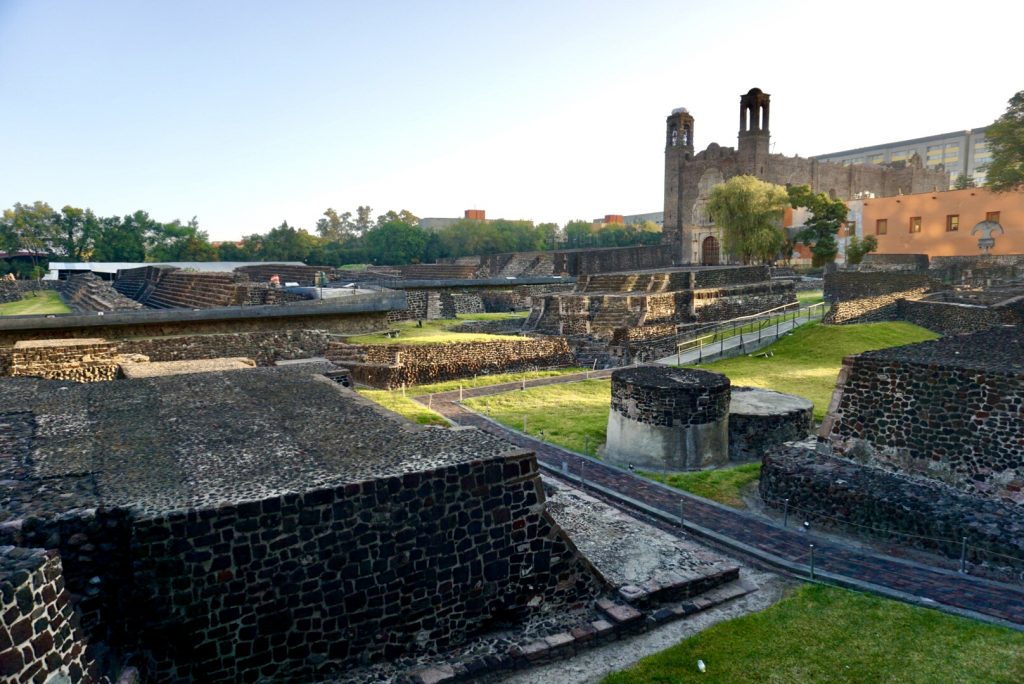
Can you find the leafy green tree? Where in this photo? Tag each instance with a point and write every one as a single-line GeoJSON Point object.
{"type": "Point", "coordinates": [177, 242]}
{"type": "Point", "coordinates": [403, 216]}
{"type": "Point", "coordinates": [749, 212]}
{"type": "Point", "coordinates": [74, 232]}
{"type": "Point", "coordinates": [963, 181]}
{"type": "Point", "coordinates": [857, 248]}
{"type": "Point", "coordinates": [336, 227]}
{"type": "Point", "coordinates": [820, 230]}
{"type": "Point", "coordinates": [578, 234]}
{"type": "Point", "coordinates": [120, 240]}
{"type": "Point", "coordinates": [395, 243]}
{"type": "Point", "coordinates": [1006, 142]}
{"type": "Point", "coordinates": [229, 251]}
{"type": "Point", "coordinates": [285, 243]}
{"type": "Point", "coordinates": [363, 220]}
{"type": "Point", "coordinates": [28, 226]}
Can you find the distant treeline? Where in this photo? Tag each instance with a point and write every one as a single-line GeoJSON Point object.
{"type": "Point", "coordinates": [74, 234]}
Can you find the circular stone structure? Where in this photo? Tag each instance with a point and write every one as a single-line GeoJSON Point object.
{"type": "Point", "coordinates": [665, 418]}
{"type": "Point", "coordinates": [760, 419]}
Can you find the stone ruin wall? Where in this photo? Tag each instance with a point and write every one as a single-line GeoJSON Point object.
{"type": "Point", "coordinates": [301, 586]}
{"type": "Point", "coordinates": [39, 638]}
{"type": "Point", "coordinates": [14, 290]}
{"type": "Point", "coordinates": [978, 271]}
{"type": "Point", "coordinates": [909, 510]}
{"type": "Point", "coordinates": [391, 366]}
{"type": "Point", "coordinates": [614, 259]}
{"type": "Point", "coordinates": [861, 297]}
{"type": "Point", "coordinates": [66, 362]}
{"type": "Point", "coordinates": [893, 262]}
{"type": "Point", "coordinates": [959, 426]}
{"type": "Point", "coordinates": [86, 360]}
{"type": "Point", "coordinates": [950, 318]}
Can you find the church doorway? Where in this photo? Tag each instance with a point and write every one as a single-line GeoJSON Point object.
{"type": "Point", "coordinates": [709, 251]}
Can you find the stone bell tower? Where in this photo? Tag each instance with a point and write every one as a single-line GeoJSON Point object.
{"type": "Point", "coordinates": [678, 151]}
{"type": "Point", "coordinates": [754, 136]}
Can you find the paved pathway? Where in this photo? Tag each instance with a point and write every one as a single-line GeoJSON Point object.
{"type": "Point", "coordinates": [784, 548]}
{"type": "Point", "coordinates": [743, 343]}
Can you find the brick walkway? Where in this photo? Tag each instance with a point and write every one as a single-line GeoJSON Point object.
{"type": "Point", "coordinates": [786, 549]}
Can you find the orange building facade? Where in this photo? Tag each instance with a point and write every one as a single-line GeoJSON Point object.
{"type": "Point", "coordinates": [940, 223]}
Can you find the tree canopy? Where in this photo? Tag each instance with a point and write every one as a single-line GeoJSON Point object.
{"type": "Point", "coordinates": [749, 212]}
{"type": "Point", "coordinates": [857, 248]}
{"type": "Point", "coordinates": [1006, 144]}
{"type": "Point", "coordinates": [820, 230]}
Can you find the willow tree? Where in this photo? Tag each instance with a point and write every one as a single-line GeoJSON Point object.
{"type": "Point", "coordinates": [749, 212]}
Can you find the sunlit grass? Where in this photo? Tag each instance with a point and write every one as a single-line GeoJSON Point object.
{"type": "Point", "coordinates": [723, 485]}
{"type": "Point", "coordinates": [810, 297]}
{"type": "Point", "coordinates": [36, 304]}
{"type": "Point", "coordinates": [437, 331]}
{"type": "Point", "coordinates": [824, 634]}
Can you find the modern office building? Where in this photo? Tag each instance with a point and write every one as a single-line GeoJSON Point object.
{"type": "Point", "coordinates": [960, 152]}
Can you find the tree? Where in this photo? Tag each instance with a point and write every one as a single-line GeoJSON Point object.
{"type": "Point", "coordinates": [578, 234]}
{"type": "Point", "coordinates": [403, 216]}
{"type": "Point", "coordinates": [1006, 143]}
{"type": "Point", "coordinates": [819, 231]}
{"type": "Point", "coordinates": [857, 248]}
{"type": "Point", "coordinates": [118, 240]}
{"type": "Point", "coordinates": [285, 243]}
{"type": "Point", "coordinates": [336, 227]}
{"type": "Point", "coordinates": [74, 232]}
{"type": "Point", "coordinates": [749, 212]}
{"type": "Point", "coordinates": [396, 243]}
{"type": "Point", "coordinates": [176, 242]}
{"type": "Point", "coordinates": [363, 219]}
{"type": "Point", "coordinates": [963, 181]}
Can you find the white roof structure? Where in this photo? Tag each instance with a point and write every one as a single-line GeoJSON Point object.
{"type": "Point", "coordinates": [112, 267]}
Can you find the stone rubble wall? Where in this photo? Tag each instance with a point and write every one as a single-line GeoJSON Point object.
{"type": "Point", "coordinates": [950, 318]}
{"type": "Point", "coordinates": [725, 304]}
{"type": "Point", "coordinates": [859, 297]}
{"type": "Point", "coordinates": [580, 262]}
{"type": "Point", "coordinates": [297, 586]}
{"type": "Point", "coordinates": [87, 292]}
{"type": "Point", "coordinates": [15, 290]}
{"type": "Point", "coordinates": [956, 425]}
{"type": "Point", "coordinates": [643, 394]}
{"type": "Point", "coordinates": [39, 638]}
{"type": "Point", "coordinates": [894, 262]}
{"type": "Point", "coordinates": [392, 366]}
{"type": "Point", "coordinates": [66, 363]}
{"type": "Point", "coordinates": [751, 435]}
{"type": "Point", "coordinates": [891, 505]}
{"type": "Point", "coordinates": [978, 271]}
{"type": "Point", "coordinates": [262, 347]}
{"type": "Point", "coordinates": [84, 362]}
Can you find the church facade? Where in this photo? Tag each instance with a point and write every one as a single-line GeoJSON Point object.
{"type": "Point", "coordinates": [689, 177]}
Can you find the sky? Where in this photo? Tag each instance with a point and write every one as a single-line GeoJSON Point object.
{"type": "Point", "coordinates": [247, 114]}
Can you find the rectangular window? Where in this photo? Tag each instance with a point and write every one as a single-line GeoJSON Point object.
{"type": "Point", "coordinates": [915, 224]}
{"type": "Point", "coordinates": [881, 226]}
{"type": "Point", "coordinates": [992, 216]}
{"type": "Point", "coordinates": [876, 158]}
{"type": "Point", "coordinates": [952, 223]}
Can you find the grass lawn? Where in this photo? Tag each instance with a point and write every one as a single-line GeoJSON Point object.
{"type": "Point", "coordinates": [807, 362]}
{"type": "Point", "coordinates": [824, 634]}
{"type": "Point", "coordinates": [438, 331]}
{"type": "Point", "coordinates": [810, 297]}
{"type": "Point", "coordinates": [404, 405]}
{"type": "Point", "coordinates": [573, 415]}
{"type": "Point", "coordinates": [45, 302]}
{"type": "Point", "coordinates": [722, 485]}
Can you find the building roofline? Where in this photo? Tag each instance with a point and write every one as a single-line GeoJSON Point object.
{"type": "Point", "coordinates": [912, 141]}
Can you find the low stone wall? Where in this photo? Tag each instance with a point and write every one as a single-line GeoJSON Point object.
{"type": "Point", "coordinates": [837, 492]}
{"type": "Point", "coordinates": [262, 347]}
{"type": "Point", "coordinates": [952, 318]}
{"type": "Point", "coordinates": [949, 410]}
{"type": "Point", "coordinates": [39, 636]}
{"type": "Point", "coordinates": [15, 290]}
{"type": "Point", "coordinates": [735, 275]}
{"type": "Point", "coordinates": [894, 262]}
{"type": "Point", "coordinates": [391, 366]}
{"type": "Point", "coordinates": [744, 300]}
{"type": "Point", "coordinates": [978, 271]}
{"type": "Point", "coordinates": [84, 360]}
{"type": "Point", "coordinates": [579, 262]}
{"type": "Point", "coordinates": [872, 296]}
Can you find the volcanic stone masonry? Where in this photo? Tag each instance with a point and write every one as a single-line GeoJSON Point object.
{"type": "Point", "coordinates": [951, 410]}
{"type": "Point", "coordinates": [237, 535]}
{"type": "Point", "coordinates": [668, 418]}
{"type": "Point", "coordinates": [860, 297]}
{"type": "Point", "coordinates": [394, 365]}
{"type": "Point", "coordinates": [80, 360]}
{"type": "Point", "coordinates": [39, 640]}
{"type": "Point", "coordinates": [760, 419]}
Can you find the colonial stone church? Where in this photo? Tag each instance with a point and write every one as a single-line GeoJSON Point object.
{"type": "Point", "coordinates": [689, 177]}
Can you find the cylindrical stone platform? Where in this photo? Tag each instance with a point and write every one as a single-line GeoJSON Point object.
{"type": "Point", "coordinates": [760, 419]}
{"type": "Point", "coordinates": [666, 418]}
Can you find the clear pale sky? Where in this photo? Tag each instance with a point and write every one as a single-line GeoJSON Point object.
{"type": "Point", "coordinates": [246, 114]}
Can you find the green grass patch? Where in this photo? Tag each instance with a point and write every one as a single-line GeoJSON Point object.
{"type": "Point", "coordinates": [436, 332]}
{"type": "Point", "coordinates": [807, 362]}
{"type": "Point", "coordinates": [404, 406]}
{"type": "Point", "coordinates": [36, 304]}
{"type": "Point", "coordinates": [722, 485]}
{"type": "Point", "coordinates": [810, 297]}
{"type": "Point", "coordinates": [824, 634]}
{"type": "Point", "coordinates": [573, 415]}
{"type": "Point", "coordinates": [499, 316]}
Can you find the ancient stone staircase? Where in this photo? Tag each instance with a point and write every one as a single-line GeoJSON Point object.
{"type": "Point", "coordinates": [88, 293]}
{"type": "Point", "coordinates": [180, 289]}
